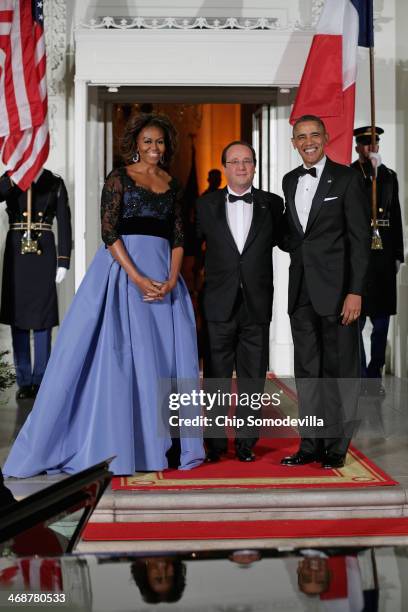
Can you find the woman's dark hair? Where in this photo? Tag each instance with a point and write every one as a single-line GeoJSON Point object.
{"type": "Point", "coordinates": [139, 574]}
{"type": "Point", "coordinates": [136, 124]}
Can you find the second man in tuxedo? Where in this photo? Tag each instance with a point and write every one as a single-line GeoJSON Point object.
{"type": "Point", "coordinates": [240, 225]}
{"type": "Point", "coordinates": [328, 237]}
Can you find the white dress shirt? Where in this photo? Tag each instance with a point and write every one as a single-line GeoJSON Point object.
{"type": "Point", "coordinates": [305, 192]}
{"type": "Point", "coordinates": [239, 217]}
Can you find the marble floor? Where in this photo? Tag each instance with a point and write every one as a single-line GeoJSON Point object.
{"type": "Point", "coordinates": [382, 436]}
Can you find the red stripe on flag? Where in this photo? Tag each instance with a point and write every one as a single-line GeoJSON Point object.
{"type": "Point", "coordinates": [6, 16]}
{"type": "Point", "coordinates": [10, 99]}
{"type": "Point", "coordinates": [24, 141]}
{"type": "Point", "coordinates": [13, 143]}
{"type": "Point", "coordinates": [25, 570]}
{"type": "Point", "coordinates": [340, 129]}
{"type": "Point", "coordinates": [50, 575]}
{"type": "Point", "coordinates": [321, 88]}
{"type": "Point", "coordinates": [36, 159]}
{"type": "Point", "coordinates": [41, 66]}
{"type": "Point", "coordinates": [39, 51]}
{"type": "Point", "coordinates": [28, 51]}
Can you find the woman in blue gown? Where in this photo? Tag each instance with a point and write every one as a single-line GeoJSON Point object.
{"type": "Point", "coordinates": [128, 334]}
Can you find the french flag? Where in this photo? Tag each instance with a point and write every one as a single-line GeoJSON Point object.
{"type": "Point", "coordinates": [328, 84]}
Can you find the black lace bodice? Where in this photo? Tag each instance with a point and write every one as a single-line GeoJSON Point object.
{"type": "Point", "coordinates": [128, 208]}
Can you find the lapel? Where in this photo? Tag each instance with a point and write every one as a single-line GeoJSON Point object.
{"type": "Point", "coordinates": [259, 211]}
{"type": "Point", "coordinates": [325, 184]}
{"type": "Point", "coordinates": [292, 186]}
{"type": "Point", "coordinates": [221, 214]}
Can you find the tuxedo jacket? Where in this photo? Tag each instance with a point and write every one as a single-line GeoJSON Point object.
{"type": "Point", "coordinates": [333, 252]}
{"type": "Point", "coordinates": [226, 269]}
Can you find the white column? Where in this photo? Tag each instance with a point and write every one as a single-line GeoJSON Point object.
{"type": "Point", "coordinates": [282, 160]}
{"type": "Point", "coordinates": [94, 172]}
{"type": "Point", "coordinates": [399, 362]}
{"type": "Point", "coordinates": [80, 148]}
{"type": "Point", "coordinates": [399, 365]}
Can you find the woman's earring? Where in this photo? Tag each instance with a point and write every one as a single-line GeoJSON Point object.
{"type": "Point", "coordinates": [162, 159]}
{"type": "Point", "coordinates": [136, 157]}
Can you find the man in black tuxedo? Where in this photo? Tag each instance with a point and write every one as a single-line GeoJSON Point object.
{"type": "Point", "coordinates": [240, 225]}
{"type": "Point", "coordinates": [328, 236]}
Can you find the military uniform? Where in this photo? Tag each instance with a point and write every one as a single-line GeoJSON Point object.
{"type": "Point", "coordinates": [380, 301]}
{"type": "Point", "coordinates": [29, 296]}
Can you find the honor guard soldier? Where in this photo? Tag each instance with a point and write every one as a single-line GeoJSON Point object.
{"type": "Point", "coordinates": [31, 270]}
{"type": "Point", "coordinates": [380, 301]}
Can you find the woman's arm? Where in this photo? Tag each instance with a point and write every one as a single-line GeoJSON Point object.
{"type": "Point", "coordinates": [149, 287]}
{"type": "Point", "coordinates": [111, 203]}
{"type": "Point", "coordinates": [175, 267]}
{"type": "Point", "coordinates": [176, 261]}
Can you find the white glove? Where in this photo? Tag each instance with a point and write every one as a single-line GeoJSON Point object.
{"type": "Point", "coordinates": [397, 265]}
{"type": "Point", "coordinates": [61, 274]}
{"type": "Point", "coordinates": [375, 159]}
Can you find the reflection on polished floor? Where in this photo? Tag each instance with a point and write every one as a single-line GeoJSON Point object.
{"type": "Point", "coordinates": [382, 437]}
{"type": "Point", "coordinates": [322, 579]}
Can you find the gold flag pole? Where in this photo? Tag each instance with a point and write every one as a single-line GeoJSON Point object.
{"type": "Point", "coordinates": [376, 242]}
{"type": "Point", "coordinates": [28, 245]}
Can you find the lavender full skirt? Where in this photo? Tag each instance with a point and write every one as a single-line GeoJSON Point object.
{"type": "Point", "coordinates": [100, 394]}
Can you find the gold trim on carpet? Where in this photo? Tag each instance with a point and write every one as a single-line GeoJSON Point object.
{"type": "Point", "coordinates": [355, 470]}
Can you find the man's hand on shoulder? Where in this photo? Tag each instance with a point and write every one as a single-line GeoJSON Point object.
{"type": "Point", "coordinates": [351, 308]}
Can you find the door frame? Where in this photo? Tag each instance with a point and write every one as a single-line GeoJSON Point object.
{"type": "Point", "coordinates": [177, 57]}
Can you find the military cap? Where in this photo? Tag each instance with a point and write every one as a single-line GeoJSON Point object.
{"type": "Point", "coordinates": [363, 134]}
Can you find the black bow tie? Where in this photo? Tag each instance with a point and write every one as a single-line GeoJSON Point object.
{"type": "Point", "coordinates": [247, 197]}
{"type": "Point", "coordinates": [302, 171]}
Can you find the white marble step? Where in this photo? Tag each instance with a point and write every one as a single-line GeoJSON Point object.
{"type": "Point", "coordinates": [272, 504]}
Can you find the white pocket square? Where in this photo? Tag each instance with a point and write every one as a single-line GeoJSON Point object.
{"type": "Point", "coordinates": [333, 198]}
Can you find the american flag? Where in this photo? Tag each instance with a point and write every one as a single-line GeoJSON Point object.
{"type": "Point", "coordinates": [24, 135]}
{"type": "Point", "coordinates": [36, 574]}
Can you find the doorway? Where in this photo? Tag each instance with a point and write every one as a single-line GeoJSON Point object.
{"type": "Point", "coordinates": [205, 124]}
{"type": "Point", "coordinates": [206, 119]}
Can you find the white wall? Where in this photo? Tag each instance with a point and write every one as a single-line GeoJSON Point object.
{"type": "Point", "coordinates": [400, 329]}
{"type": "Point", "coordinates": [287, 11]}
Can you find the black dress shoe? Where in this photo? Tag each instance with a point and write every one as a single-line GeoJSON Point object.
{"type": "Point", "coordinates": [332, 461]}
{"type": "Point", "coordinates": [34, 390]}
{"type": "Point", "coordinates": [378, 390]}
{"type": "Point", "coordinates": [24, 392]}
{"type": "Point", "coordinates": [374, 387]}
{"type": "Point", "coordinates": [212, 456]}
{"type": "Point", "coordinates": [245, 454]}
{"type": "Point", "coordinates": [299, 458]}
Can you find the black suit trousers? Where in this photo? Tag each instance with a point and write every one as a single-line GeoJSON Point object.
{"type": "Point", "coordinates": [243, 344]}
{"type": "Point", "coordinates": [327, 371]}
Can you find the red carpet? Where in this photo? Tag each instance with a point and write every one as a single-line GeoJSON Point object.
{"type": "Point", "coordinates": [247, 530]}
{"type": "Point", "coordinates": [266, 472]}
